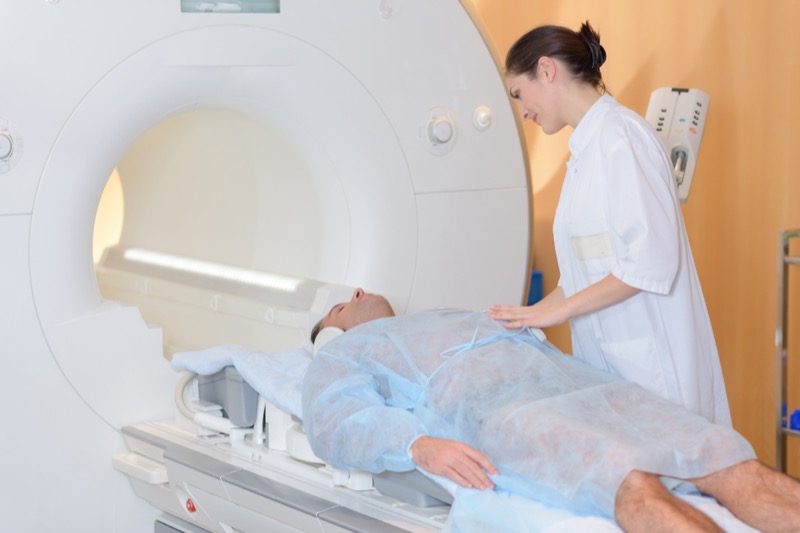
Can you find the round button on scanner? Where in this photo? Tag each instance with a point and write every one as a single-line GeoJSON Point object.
{"type": "Point", "coordinates": [11, 146]}
{"type": "Point", "coordinates": [6, 146]}
{"type": "Point", "coordinates": [440, 131]}
{"type": "Point", "coordinates": [482, 118]}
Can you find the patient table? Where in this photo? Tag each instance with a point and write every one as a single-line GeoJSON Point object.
{"type": "Point", "coordinates": [254, 471]}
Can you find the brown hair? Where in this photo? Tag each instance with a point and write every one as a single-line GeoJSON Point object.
{"type": "Point", "coordinates": [315, 331]}
{"type": "Point", "coordinates": [580, 51]}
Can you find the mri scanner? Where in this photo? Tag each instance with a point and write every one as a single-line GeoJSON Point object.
{"type": "Point", "coordinates": [271, 156]}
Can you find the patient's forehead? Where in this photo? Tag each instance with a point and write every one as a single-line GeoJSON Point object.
{"type": "Point", "coordinates": [327, 319]}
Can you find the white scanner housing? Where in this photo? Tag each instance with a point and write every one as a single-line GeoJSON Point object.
{"type": "Point", "coordinates": [334, 144]}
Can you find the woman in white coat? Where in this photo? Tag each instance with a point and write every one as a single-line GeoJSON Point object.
{"type": "Point", "coordinates": [628, 283]}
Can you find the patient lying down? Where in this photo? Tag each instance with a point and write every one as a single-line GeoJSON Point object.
{"type": "Point", "coordinates": [458, 395]}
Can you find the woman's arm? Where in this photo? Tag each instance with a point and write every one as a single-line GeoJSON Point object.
{"type": "Point", "coordinates": [555, 309]}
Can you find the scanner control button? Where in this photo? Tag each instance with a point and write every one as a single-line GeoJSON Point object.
{"type": "Point", "coordinates": [6, 146]}
{"type": "Point", "coordinates": [440, 131]}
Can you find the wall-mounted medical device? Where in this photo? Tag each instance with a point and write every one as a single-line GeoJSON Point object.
{"type": "Point", "coordinates": [679, 117]}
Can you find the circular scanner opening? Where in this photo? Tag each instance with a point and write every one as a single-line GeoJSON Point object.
{"type": "Point", "coordinates": [222, 188]}
{"type": "Point", "coordinates": [109, 217]}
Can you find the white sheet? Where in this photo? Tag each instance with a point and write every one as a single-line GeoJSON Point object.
{"type": "Point", "coordinates": [527, 516]}
{"type": "Point", "coordinates": [277, 376]}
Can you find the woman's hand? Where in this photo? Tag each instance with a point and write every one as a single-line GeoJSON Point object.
{"type": "Point", "coordinates": [539, 315]}
{"type": "Point", "coordinates": [555, 309]}
{"type": "Point", "coordinates": [454, 460]}
{"type": "Point", "coordinates": [549, 311]}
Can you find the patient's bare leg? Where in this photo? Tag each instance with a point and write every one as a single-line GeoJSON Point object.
{"type": "Point", "coordinates": [756, 494]}
{"type": "Point", "coordinates": [644, 504]}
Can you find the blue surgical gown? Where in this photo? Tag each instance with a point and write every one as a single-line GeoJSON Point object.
{"type": "Point", "coordinates": [559, 430]}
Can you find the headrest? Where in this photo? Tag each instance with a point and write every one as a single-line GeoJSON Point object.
{"type": "Point", "coordinates": [326, 335]}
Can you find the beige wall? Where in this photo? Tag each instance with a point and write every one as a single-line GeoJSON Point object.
{"type": "Point", "coordinates": [745, 54]}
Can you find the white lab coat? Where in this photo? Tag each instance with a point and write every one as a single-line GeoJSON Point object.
{"type": "Point", "coordinates": [619, 214]}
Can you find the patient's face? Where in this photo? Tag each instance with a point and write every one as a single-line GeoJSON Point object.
{"type": "Point", "coordinates": [361, 308]}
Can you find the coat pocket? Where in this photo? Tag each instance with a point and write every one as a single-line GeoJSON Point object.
{"type": "Point", "coordinates": [636, 360]}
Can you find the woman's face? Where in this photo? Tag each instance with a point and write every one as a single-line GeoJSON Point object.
{"type": "Point", "coordinates": [536, 99]}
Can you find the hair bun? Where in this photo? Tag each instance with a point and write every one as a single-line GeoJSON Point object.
{"type": "Point", "coordinates": [597, 51]}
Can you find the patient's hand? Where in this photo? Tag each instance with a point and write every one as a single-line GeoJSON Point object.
{"type": "Point", "coordinates": [454, 460]}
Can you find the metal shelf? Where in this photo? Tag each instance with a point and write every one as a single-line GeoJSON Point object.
{"type": "Point", "coordinates": [790, 432]}
{"type": "Point", "coordinates": [781, 336]}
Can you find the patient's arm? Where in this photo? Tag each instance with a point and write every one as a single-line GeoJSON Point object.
{"type": "Point", "coordinates": [348, 422]}
{"type": "Point", "coordinates": [454, 460]}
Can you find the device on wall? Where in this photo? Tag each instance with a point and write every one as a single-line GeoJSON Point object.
{"type": "Point", "coordinates": [679, 117]}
